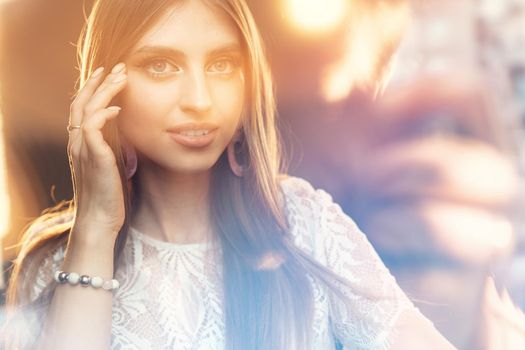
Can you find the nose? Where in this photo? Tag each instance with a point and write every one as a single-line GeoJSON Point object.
{"type": "Point", "coordinates": [195, 95]}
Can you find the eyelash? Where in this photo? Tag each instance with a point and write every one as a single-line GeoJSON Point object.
{"type": "Point", "coordinates": [147, 62]}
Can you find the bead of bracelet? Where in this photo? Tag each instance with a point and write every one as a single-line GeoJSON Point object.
{"type": "Point", "coordinates": [110, 284]}
{"type": "Point", "coordinates": [96, 282]}
{"type": "Point", "coordinates": [73, 278]}
{"type": "Point", "coordinates": [85, 280]}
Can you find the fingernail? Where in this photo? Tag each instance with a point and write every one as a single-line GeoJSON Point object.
{"type": "Point", "coordinates": [120, 78]}
{"type": "Point", "coordinates": [97, 72]}
{"type": "Point", "coordinates": [115, 108]}
{"type": "Point", "coordinates": [118, 68]}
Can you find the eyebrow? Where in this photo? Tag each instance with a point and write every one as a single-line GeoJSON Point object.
{"type": "Point", "coordinates": [169, 51]}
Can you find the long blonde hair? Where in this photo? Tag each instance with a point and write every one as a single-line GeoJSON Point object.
{"type": "Point", "coordinates": [264, 309]}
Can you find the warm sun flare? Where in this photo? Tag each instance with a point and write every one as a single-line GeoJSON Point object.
{"type": "Point", "coordinates": [316, 16]}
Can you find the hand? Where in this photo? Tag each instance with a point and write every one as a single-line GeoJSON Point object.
{"type": "Point", "coordinates": [98, 194]}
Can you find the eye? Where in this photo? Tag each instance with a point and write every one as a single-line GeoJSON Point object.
{"type": "Point", "coordinates": [223, 66]}
{"type": "Point", "coordinates": [158, 67]}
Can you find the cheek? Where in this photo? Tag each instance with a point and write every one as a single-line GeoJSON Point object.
{"type": "Point", "coordinates": [142, 105]}
{"type": "Point", "coordinates": [229, 99]}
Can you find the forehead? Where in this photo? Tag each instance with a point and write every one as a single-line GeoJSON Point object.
{"type": "Point", "coordinates": [192, 24]}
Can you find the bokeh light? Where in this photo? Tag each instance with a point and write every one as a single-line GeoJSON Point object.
{"type": "Point", "coordinates": [314, 16]}
{"type": "Point", "coordinates": [371, 37]}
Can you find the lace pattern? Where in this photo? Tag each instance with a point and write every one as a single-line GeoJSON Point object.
{"type": "Point", "coordinates": [170, 294]}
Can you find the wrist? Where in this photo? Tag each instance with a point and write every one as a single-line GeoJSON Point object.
{"type": "Point", "coordinates": [93, 234]}
{"type": "Point", "coordinates": [92, 237]}
{"type": "Point", "coordinates": [89, 258]}
{"type": "Point", "coordinates": [97, 222]}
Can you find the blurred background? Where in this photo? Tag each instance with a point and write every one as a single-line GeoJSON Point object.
{"type": "Point", "coordinates": [411, 113]}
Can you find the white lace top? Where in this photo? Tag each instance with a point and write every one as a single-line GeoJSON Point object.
{"type": "Point", "coordinates": [170, 294]}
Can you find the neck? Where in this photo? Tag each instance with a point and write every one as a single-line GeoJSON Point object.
{"type": "Point", "coordinates": [172, 207]}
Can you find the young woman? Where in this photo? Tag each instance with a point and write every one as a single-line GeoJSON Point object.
{"type": "Point", "coordinates": [183, 232]}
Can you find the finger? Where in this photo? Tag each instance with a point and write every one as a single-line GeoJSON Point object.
{"type": "Point", "coordinates": [101, 102]}
{"type": "Point", "coordinates": [85, 93]}
{"type": "Point", "coordinates": [104, 94]}
{"type": "Point", "coordinates": [89, 89]}
{"type": "Point", "coordinates": [92, 132]}
{"type": "Point", "coordinates": [116, 73]}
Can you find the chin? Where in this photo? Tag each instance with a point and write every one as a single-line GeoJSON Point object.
{"type": "Point", "coordinates": [193, 165]}
{"type": "Point", "coordinates": [182, 162]}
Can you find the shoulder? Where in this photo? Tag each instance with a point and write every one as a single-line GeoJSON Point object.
{"type": "Point", "coordinates": [314, 218]}
{"type": "Point", "coordinates": [375, 301]}
{"type": "Point", "coordinates": [300, 191]}
{"type": "Point", "coordinates": [321, 228]}
{"type": "Point", "coordinates": [301, 200]}
{"type": "Point", "coordinates": [296, 184]}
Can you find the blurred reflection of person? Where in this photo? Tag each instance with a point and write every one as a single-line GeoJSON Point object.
{"type": "Point", "coordinates": [427, 168]}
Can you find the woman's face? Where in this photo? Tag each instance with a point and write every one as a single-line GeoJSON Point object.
{"type": "Point", "coordinates": [185, 79]}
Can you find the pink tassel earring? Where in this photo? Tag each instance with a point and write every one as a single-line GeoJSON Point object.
{"type": "Point", "coordinates": [236, 168]}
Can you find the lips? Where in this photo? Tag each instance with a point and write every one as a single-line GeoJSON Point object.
{"type": "Point", "coordinates": [193, 134]}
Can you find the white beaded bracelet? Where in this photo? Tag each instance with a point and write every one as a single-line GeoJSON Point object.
{"type": "Point", "coordinates": [74, 278]}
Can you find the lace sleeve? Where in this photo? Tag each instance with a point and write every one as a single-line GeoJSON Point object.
{"type": "Point", "coordinates": [51, 262]}
{"type": "Point", "coordinates": [23, 324]}
{"type": "Point", "coordinates": [375, 302]}
{"type": "Point", "coordinates": [45, 273]}
{"type": "Point", "coordinates": [24, 321]}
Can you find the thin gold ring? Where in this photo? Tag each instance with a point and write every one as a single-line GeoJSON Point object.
{"type": "Point", "coordinates": [71, 127]}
